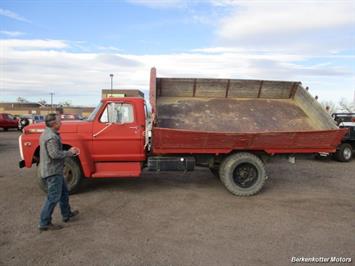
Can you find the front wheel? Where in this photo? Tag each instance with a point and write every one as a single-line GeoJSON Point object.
{"type": "Point", "coordinates": [72, 175]}
{"type": "Point", "coordinates": [243, 174]}
{"type": "Point", "coordinates": [344, 152]}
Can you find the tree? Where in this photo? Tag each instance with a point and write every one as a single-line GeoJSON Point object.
{"type": "Point", "coordinates": [42, 102]}
{"type": "Point", "coordinates": [329, 106]}
{"type": "Point", "coordinates": [346, 106]}
{"type": "Point", "coordinates": [65, 104]}
{"type": "Point", "coordinates": [21, 100]}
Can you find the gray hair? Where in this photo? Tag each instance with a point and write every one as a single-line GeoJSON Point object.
{"type": "Point", "coordinates": [50, 119]}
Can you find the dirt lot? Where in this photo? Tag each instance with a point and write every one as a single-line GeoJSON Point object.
{"type": "Point", "coordinates": [306, 209]}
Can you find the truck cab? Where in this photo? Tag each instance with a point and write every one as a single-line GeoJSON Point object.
{"type": "Point", "coordinates": [112, 141]}
{"type": "Point", "coordinates": [346, 148]}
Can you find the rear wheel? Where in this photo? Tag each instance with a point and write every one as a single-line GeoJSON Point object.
{"type": "Point", "coordinates": [344, 152]}
{"type": "Point", "coordinates": [6, 129]}
{"type": "Point", "coordinates": [243, 174]}
{"type": "Point", "coordinates": [72, 175]}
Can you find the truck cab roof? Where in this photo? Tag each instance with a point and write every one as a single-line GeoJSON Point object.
{"type": "Point", "coordinates": [121, 99]}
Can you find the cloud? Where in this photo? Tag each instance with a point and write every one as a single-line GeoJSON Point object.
{"type": "Point", "coordinates": [32, 44]}
{"type": "Point", "coordinates": [282, 23]}
{"type": "Point", "coordinates": [11, 33]}
{"type": "Point", "coordinates": [13, 15]}
{"type": "Point", "coordinates": [302, 26]}
{"type": "Point", "coordinates": [117, 60]}
{"type": "Point", "coordinates": [109, 48]}
{"type": "Point", "coordinates": [308, 41]}
{"type": "Point", "coordinates": [36, 67]}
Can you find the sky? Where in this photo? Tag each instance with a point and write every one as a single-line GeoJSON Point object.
{"type": "Point", "coordinates": [71, 47]}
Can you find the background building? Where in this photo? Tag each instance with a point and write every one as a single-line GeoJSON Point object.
{"type": "Point", "coordinates": [16, 108]}
{"type": "Point", "coordinates": [121, 93]}
{"type": "Point", "coordinates": [24, 108]}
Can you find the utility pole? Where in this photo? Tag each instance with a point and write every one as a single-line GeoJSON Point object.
{"type": "Point", "coordinates": [51, 93]}
{"type": "Point", "coordinates": [111, 76]}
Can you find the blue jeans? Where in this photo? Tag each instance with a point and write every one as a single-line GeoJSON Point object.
{"type": "Point", "coordinates": [57, 192]}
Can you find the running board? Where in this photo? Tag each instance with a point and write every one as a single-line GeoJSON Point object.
{"type": "Point", "coordinates": [117, 169]}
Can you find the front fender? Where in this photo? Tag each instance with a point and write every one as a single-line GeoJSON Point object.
{"type": "Point", "coordinates": [84, 144]}
{"type": "Point", "coordinates": [28, 146]}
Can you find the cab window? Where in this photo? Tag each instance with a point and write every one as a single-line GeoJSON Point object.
{"type": "Point", "coordinates": [10, 117]}
{"type": "Point", "coordinates": [118, 113]}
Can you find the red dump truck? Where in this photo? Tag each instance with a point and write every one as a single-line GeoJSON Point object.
{"type": "Point", "coordinates": [227, 125]}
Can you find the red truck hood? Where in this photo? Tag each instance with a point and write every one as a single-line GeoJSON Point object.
{"type": "Point", "coordinates": [67, 126]}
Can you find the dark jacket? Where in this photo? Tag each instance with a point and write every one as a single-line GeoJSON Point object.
{"type": "Point", "coordinates": [51, 154]}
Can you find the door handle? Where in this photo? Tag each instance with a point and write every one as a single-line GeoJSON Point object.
{"type": "Point", "coordinates": [136, 127]}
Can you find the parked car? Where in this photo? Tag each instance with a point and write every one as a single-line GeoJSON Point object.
{"type": "Point", "coordinates": [70, 117]}
{"type": "Point", "coordinates": [229, 126]}
{"type": "Point", "coordinates": [347, 146]}
{"type": "Point", "coordinates": [26, 120]}
{"type": "Point", "coordinates": [7, 121]}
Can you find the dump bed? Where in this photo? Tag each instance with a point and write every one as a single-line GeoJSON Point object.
{"type": "Point", "coordinates": [221, 115]}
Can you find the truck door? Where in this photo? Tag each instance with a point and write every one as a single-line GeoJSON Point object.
{"type": "Point", "coordinates": [117, 136]}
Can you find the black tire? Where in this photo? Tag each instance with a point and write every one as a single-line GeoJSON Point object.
{"type": "Point", "coordinates": [72, 174]}
{"type": "Point", "coordinates": [344, 152]}
{"type": "Point", "coordinates": [243, 174]}
{"type": "Point", "coordinates": [6, 129]}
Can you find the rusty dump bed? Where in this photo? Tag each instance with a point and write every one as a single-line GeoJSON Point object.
{"type": "Point", "coordinates": [240, 114]}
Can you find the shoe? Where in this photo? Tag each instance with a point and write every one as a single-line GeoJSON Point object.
{"type": "Point", "coordinates": [71, 215]}
{"type": "Point", "coordinates": [50, 227]}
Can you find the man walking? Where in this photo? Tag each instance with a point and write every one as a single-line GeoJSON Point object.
{"type": "Point", "coordinates": [51, 168]}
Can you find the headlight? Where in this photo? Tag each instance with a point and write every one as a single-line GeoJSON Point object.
{"type": "Point", "coordinates": [20, 146]}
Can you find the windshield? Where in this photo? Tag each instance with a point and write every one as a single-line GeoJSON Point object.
{"type": "Point", "coordinates": [93, 114]}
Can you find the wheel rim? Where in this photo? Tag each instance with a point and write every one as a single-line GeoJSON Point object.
{"type": "Point", "coordinates": [347, 153]}
{"type": "Point", "coordinates": [68, 175]}
{"type": "Point", "coordinates": [245, 175]}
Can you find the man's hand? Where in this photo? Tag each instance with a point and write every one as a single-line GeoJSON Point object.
{"type": "Point", "coordinates": [75, 151]}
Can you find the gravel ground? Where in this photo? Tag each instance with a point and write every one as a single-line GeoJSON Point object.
{"type": "Point", "coordinates": [304, 210]}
